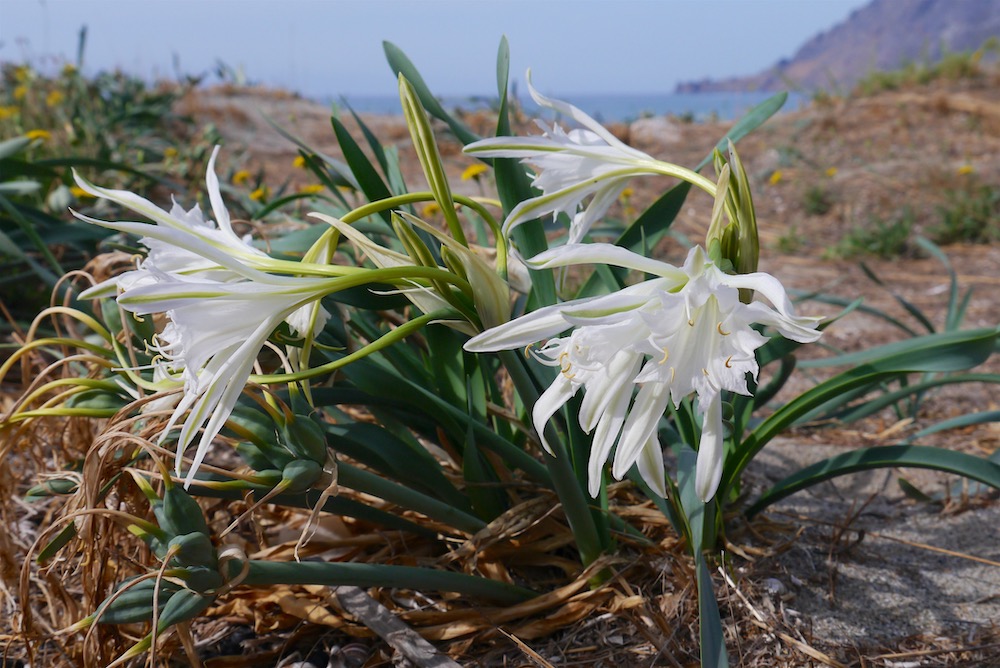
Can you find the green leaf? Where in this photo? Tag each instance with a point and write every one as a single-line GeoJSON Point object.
{"type": "Point", "coordinates": [513, 187]}
{"type": "Point", "coordinates": [890, 456]}
{"type": "Point", "coordinates": [711, 636]}
{"type": "Point", "coordinates": [401, 65]}
{"type": "Point", "coordinates": [945, 351]}
{"type": "Point", "coordinates": [266, 573]}
{"type": "Point", "coordinates": [952, 351]}
{"type": "Point", "coordinates": [959, 422]}
{"type": "Point", "coordinates": [363, 481]}
{"type": "Point", "coordinates": [367, 177]}
{"type": "Point", "coordinates": [750, 122]}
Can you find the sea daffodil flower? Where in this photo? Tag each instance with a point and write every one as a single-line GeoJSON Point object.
{"type": "Point", "coordinates": [222, 297]}
{"type": "Point", "coordinates": [572, 166]}
{"type": "Point", "coordinates": [682, 332]}
{"type": "Point", "coordinates": [215, 333]}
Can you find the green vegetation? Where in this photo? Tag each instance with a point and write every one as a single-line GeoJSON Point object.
{"type": "Point", "coordinates": [817, 201]}
{"type": "Point", "coordinates": [111, 127]}
{"type": "Point", "coordinates": [952, 66]}
{"type": "Point", "coordinates": [882, 238]}
{"type": "Point", "coordinates": [970, 215]}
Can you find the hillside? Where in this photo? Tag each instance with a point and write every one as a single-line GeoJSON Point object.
{"type": "Point", "coordinates": [883, 35]}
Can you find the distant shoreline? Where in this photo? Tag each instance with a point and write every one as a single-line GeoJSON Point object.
{"type": "Point", "coordinates": [607, 108]}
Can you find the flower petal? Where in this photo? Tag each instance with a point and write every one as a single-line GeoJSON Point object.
{"type": "Point", "coordinates": [554, 398]}
{"type": "Point", "coordinates": [708, 471]}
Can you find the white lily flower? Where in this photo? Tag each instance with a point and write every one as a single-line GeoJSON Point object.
{"type": "Point", "coordinates": [221, 299]}
{"type": "Point", "coordinates": [215, 333]}
{"type": "Point", "coordinates": [574, 165]}
{"type": "Point", "coordinates": [684, 332]}
{"type": "Point", "coordinates": [180, 241]}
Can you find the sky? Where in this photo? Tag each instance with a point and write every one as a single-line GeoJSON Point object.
{"type": "Point", "coordinates": [329, 48]}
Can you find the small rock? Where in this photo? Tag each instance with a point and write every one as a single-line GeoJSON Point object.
{"type": "Point", "coordinates": [656, 130]}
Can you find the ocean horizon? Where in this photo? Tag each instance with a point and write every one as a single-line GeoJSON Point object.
{"type": "Point", "coordinates": [606, 108]}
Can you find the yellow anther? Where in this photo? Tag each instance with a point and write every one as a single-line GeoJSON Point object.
{"type": "Point", "coordinates": [729, 362]}
{"type": "Point", "coordinates": [690, 323]}
{"type": "Point", "coordinates": [666, 355]}
{"type": "Point", "coordinates": [722, 331]}
{"type": "Point", "coordinates": [705, 371]}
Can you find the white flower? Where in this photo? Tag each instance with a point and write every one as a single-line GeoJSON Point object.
{"type": "Point", "coordinates": [222, 300]}
{"type": "Point", "coordinates": [180, 241]}
{"type": "Point", "coordinates": [215, 333]}
{"type": "Point", "coordinates": [683, 332]}
{"type": "Point", "coordinates": [574, 165]}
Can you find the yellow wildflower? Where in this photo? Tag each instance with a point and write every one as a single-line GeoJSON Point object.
{"type": "Point", "coordinates": [474, 171]}
{"type": "Point", "coordinates": [241, 177]}
{"type": "Point", "coordinates": [311, 189]}
{"type": "Point", "coordinates": [832, 171]}
{"type": "Point", "coordinates": [965, 169]}
{"type": "Point", "coordinates": [54, 98]}
{"type": "Point", "coordinates": [22, 73]}
{"type": "Point", "coordinates": [20, 92]}
{"type": "Point", "coordinates": [430, 210]}
{"type": "Point", "coordinates": [775, 177]}
{"type": "Point", "coordinates": [79, 192]}
{"type": "Point", "coordinates": [7, 112]}
{"type": "Point", "coordinates": [260, 194]}
{"type": "Point", "coordinates": [38, 134]}
{"type": "Point", "coordinates": [299, 162]}
{"type": "Point", "coordinates": [68, 70]}
{"type": "Point", "coordinates": [170, 152]}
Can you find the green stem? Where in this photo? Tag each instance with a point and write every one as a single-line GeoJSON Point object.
{"type": "Point", "coordinates": [378, 575]}
{"type": "Point", "coordinates": [363, 481]}
{"type": "Point", "coordinates": [388, 339]}
{"type": "Point", "coordinates": [426, 196]}
{"type": "Point", "coordinates": [567, 486]}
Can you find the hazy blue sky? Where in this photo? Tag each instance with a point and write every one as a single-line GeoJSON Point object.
{"type": "Point", "coordinates": [334, 47]}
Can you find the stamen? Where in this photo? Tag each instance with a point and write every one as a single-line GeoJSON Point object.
{"type": "Point", "coordinates": [690, 323]}
{"type": "Point", "coordinates": [672, 374]}
{"type": "Point", "coordinates": [565, 366]}
{"type": "Point", "coordinates": [729, 362]}
{"type": "Point", "coordinates": [705, 371]}
{"type": "Point", "coordinates": [722, 331]}
{"type": "Point", "coordinates": [666, 355]}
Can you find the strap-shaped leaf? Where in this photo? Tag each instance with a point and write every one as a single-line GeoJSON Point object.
{"type": "Point", "coordinates": [364, 172]}
{"type": "Point", "coordinates": [952, 351]}
{"type": "Point", "coordinates": [890, 456]}
{"type": "Point", "coordinates": [400, 64]}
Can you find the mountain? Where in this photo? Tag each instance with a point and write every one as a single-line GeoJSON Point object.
{"type": "Point", "coordinates": [882, 35]}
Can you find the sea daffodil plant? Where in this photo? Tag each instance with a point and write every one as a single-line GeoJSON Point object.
{"type": "Point", "coordinates": [650, 371]}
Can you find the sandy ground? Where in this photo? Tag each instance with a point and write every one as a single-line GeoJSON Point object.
{"type": "Point", "coordinates": [869, 567]}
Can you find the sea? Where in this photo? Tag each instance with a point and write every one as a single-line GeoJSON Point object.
{"type": "Point", "coordinates": [620, 108]}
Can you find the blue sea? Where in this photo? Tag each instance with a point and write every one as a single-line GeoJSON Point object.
{"type": "Point", "coordinates": [605, 108]}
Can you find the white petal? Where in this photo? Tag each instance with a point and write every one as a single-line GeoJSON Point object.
{"type": "Point", "coordinates": [610, 254]}
{"type": "Point", "coordinates": [608, 428]}
{"type": "Point", "coordinates": [215, 197]}
{"type": "Point", "coordinates": [640, 425]}
{"type": "Point", "coordinates": [583, 119]}
{"type": "Point", "coordinates": [650, 463]}
{"type": "Point", "coordinates": [554, 398]}
{"type": "Point", "coordinates": [708, 470]}
{"type": "Point", "coordinates": [797, 328]}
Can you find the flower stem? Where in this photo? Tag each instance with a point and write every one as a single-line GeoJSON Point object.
{"type": "Point", "coordinates": [567, 485]}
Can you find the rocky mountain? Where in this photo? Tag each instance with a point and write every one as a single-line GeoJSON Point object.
{"type": "Point", "coordinates": [882, 35]}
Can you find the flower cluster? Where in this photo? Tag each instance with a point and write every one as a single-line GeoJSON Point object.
{"type": "Point", "coordinates": [684, 332]}
{"type": "Point", "coordinates": [222, 300]}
